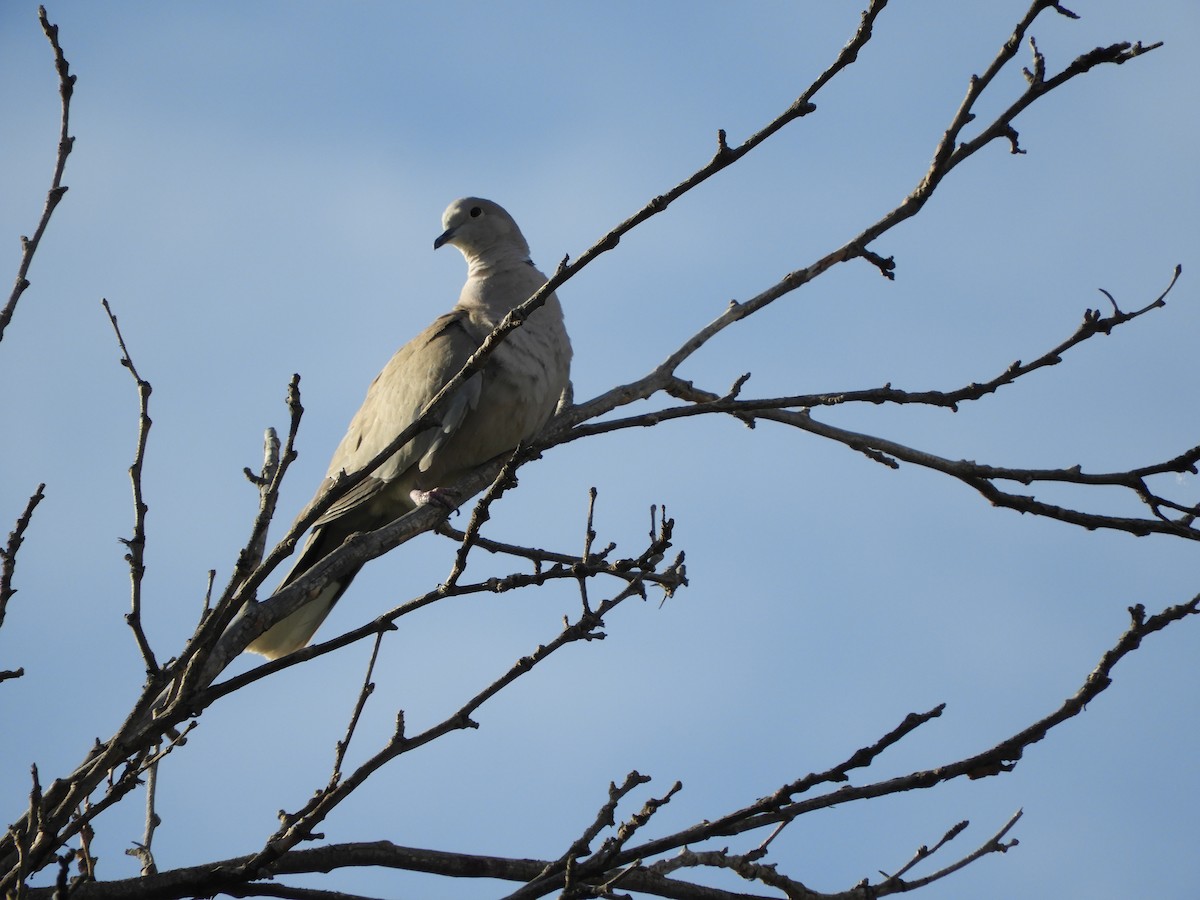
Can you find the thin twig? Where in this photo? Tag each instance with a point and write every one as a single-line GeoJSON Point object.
{"type": "Point", "coordinates": [144, 852]}
{"type": "Point", "coordinates": [481, 512]}
{"type": "Point", "coordinates": [208, 589]}
{"type": "Point", "coordinates": [581, 846]}
{"type": "Point", "coordinates": [589, 538]}
{"type": "Point", "coordinates": [264, 479]}
{"type": "Point", "coordinates": [29, 245]}
{"type": "Point", "coordinates": [994, 844]}
{"type": "Point", "coordinates": [368, 688]}
{"type": "Point", "coordinates": [250, 568]}
{"type": "Point", "coordinates": [8, 555]}
{"type": "Point", "coordinates": [538, 556]}
{"type": "Point", "coordinates": [136, 544]}
{"type": "Point", "coordinates": [924, 852]}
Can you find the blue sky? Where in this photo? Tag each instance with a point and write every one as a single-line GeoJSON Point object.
{"type": "Point", "coordinates": [255, 188]}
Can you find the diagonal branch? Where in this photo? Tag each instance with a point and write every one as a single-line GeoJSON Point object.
{"type": "Point", "coordinates": [944, 160]}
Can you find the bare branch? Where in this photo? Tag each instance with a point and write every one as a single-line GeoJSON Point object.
{"type": "Point", "coordinates": [275, 467]}
{"type": "Point", "coordinates": [136, 544]}
{"type": "Point", "coordinates": [994, 844]}
{"type": "Point", "coordinates": [637, 571]}
{"type": "Point", "coordinates": [481, 512]}
{"type": "Point", "coordinates": [702, 401]}
{"type": "Point", "coordinates": [29, 245]}
{"type": "Point", "coordinates": [368, 688]}
{"type": "Point", "coordinates": [287, 892]}
{"type": "Point", "coordinates": [946, 156]}
{"type": "Point", "coordinates": [218, 877]}
{"type": "Point", "coordinates": [582, 845]}
{"type": "Point", "coordinates": [264, 480]}
{"type": "Point", "coordinates": [796, 411]}
{"type": "Point", "coordinates": [8, 555]}
{"type": "Point", "coordinates": [298, 827]}
{"type": "Point", "coordinates": [746, 867]}
{"type": "Point", "coordinates": [221, 877]}
{"type": "Point", "coordinates": [923, 852]}
{"type": "Point", "coordinates": [186, 686]}
{"type": "Point", "coordinates": [249, 571]}
{"type": "Point", "coordinates": [1000, 758]}
{"type": "Point", "coordinates": [144, 851]}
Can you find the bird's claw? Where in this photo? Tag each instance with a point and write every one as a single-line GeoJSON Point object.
{"type": "Point", "coordinates": [443, 497]}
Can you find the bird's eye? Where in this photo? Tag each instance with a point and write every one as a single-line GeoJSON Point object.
{"type": "Point", "coordinates": [476, 212]}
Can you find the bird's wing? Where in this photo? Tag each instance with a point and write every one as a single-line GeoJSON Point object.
{"type": "Point", "coordinates": [394, 401]}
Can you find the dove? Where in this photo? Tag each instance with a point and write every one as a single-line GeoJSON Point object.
{"type": "Point", "coordinates": [503, 405]}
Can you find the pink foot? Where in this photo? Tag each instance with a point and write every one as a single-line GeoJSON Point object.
{"type": "Point", "coordinates": [443, 497]}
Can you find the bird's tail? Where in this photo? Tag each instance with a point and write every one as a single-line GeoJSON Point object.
{"type": "Point", "coordinates": [296, 630]}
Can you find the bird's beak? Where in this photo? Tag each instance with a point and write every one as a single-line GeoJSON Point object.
{"type": "Point", "coordinates": [445, 237]}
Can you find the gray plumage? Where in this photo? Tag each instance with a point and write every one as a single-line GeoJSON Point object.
{"type": "Point", "coordinates": [509, 401]}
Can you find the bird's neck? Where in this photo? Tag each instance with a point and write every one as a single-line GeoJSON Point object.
{"type": "Point", "coordinates": [491, 264]}
{"type": "Point", "coordinates": [495, 285]}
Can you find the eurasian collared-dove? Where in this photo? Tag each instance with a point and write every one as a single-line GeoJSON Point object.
{"type": "Point", "coordinates": [508, 402]}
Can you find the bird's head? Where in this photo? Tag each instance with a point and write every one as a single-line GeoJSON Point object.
{"type": "Point", "coordinates": [482, 230]}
